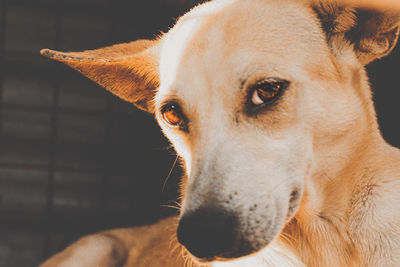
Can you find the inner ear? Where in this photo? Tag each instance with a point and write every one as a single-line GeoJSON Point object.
{"type": "Point", "coordinates": [372, 33]}
{"type": "Point", "coordinates": [375, 34]}
{"type": "Point", "coordinates": [130, 70]}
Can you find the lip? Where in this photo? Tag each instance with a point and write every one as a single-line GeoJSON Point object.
{"type": "Point", "coordinates": [216, 258]}
{"type": "Point", "coordinates": [294, 202]}
{"type": "Point", "coordinates": [230, 256]}
{"type": "Point", "coordinates": [203, 260]}
{"type": "Point", "coordinates": [223, 257]}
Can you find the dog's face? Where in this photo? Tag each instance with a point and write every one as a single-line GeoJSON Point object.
{"type": "Point", "coordinates": [250, 93]}
{"type": "Point", "coordinates": [245, 126]}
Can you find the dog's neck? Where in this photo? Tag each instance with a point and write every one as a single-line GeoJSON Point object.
{"type": "Point", "coordinates": [344, 167]}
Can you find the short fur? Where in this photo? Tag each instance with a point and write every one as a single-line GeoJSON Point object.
{"type": "Point", "coordinates": [310, 178]}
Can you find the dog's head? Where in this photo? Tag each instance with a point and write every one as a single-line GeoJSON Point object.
{"type": "Point", "coordinates": [256, 96]}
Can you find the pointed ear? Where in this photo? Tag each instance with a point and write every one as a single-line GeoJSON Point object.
{"type": "Point", "coordinates": [128, 70]}
{"type": "Point", "coordinates": [373, 33]}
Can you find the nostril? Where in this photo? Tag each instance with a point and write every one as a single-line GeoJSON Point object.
{"type": "Point", "coordinates": [207, 233]}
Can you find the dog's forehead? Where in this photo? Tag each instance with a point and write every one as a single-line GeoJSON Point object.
{"type": "Point", "coordinates": [175, 43]}
{"type": "Point", "coordinates": [237, 33]}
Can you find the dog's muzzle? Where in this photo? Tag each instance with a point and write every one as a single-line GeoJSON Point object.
{"type": "Point", "coordinates": [208, 233]}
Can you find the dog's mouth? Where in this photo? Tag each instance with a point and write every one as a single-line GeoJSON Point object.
{"type": "Point", "coordinates": [224, 257]}
{"type": "Point", "coordinates": [245, 248]}
{"type": "Point", "coordinates": [218, 235]}
{"type": "Point", "coordinates": [294, 202]}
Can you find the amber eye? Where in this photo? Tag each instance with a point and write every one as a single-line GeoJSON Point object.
{"type": "Point", "coordinates": [172, 115]}
{"type": "Point", "coordinates": [267, 91]}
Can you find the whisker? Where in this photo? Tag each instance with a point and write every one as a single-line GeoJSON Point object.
{"type": "Point", "coordinates": [178, 204]}
{"type": "Point", "coordinates": [169, 174]}
{"type": "Point", "coordinates": [171, 206]}
{"type": "Point", "coordinates": [287, 237]}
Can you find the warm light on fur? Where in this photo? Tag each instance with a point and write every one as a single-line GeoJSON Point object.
{"type": "Point", "coordinates": [313, 165]}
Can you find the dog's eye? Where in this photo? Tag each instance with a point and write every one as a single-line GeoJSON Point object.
{"type": "Point", "coordinates": [172, 115]}
{"type": "Point", "coordinates": [267, 91]}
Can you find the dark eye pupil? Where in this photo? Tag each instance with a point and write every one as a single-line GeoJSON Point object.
{"type": "Point", "coordinates": [268, 90]}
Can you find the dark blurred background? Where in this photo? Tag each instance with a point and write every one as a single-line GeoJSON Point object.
{"type": "Point", "coordinates": [73, 158]}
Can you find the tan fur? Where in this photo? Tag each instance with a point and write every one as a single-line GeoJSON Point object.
{"type": "Point", "coordinates": [126, 70]}
{"type": "Point", "coordinates": [112, 248]}
{"type": "Point", "coordinates": [382, 4]}
{"type": "Point", "coordinates": [323, 134]}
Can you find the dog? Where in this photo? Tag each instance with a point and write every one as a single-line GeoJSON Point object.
{"type": "Point", "coordinates": [268, 104]}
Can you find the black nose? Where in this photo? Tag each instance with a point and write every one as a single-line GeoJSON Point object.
{"type": "Point", "coordinates": [207, 233]}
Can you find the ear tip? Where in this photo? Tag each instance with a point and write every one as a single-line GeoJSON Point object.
{"type": "Point", "coordinates": [48, 53]}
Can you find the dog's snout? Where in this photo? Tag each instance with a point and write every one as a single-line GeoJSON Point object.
{"type": "Point", "coordinates": [207, 233]}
